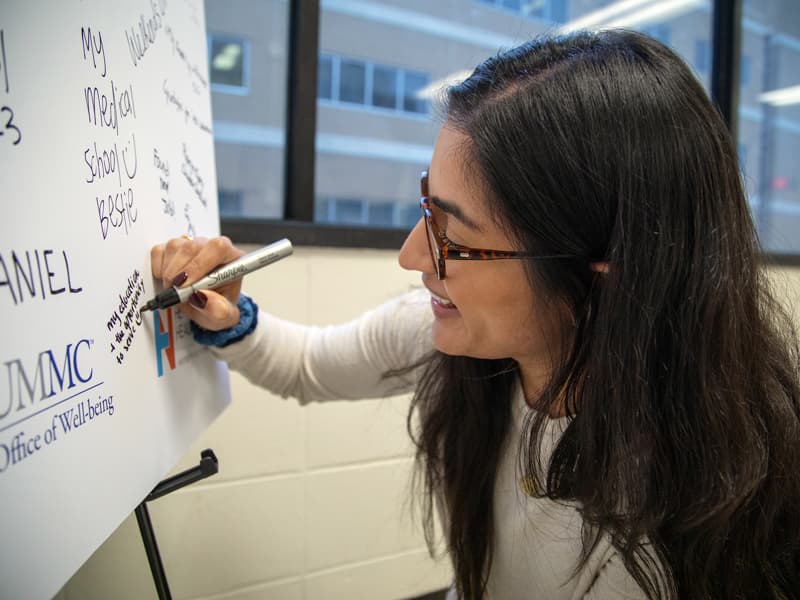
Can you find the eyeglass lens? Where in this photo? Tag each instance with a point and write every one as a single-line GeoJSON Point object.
{"type": "Point", "coordinates": [433, 244]}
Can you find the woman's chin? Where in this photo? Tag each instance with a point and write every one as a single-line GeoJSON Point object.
{"type": "Point", "coordinates": [444, 342]}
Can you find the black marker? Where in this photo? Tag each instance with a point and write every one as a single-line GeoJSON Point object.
{"type": "Point", "coordinates": [238, 268]}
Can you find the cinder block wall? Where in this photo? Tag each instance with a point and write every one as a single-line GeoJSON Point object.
{"type": "Point", "coordinates": [310, 503]}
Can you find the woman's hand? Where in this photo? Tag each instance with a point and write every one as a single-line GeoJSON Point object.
{"type": "Point", "coordinates": [182, 261]}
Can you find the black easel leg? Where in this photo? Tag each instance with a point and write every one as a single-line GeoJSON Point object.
{"type": "Point", "coordinates": [151, 549]}
{"type": "Point", "coordinates": [207, 467]}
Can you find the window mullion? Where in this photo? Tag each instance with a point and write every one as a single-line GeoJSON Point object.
{"type": "Point", "coordinates": [301, 110]}
{"type": "Point", "coordinates": [725, 59]}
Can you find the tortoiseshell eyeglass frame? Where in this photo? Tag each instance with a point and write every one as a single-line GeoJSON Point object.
{"type": "Point", "coordinates": [442, 249]}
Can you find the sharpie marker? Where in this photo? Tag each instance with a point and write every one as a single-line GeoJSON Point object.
{"type": "Point", "coordinates": [234, 270]}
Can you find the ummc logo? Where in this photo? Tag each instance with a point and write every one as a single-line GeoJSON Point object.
{"type": "Point", "coordinates": [49, 374]}
{"type": "Point", "coordinates": [165, 341]}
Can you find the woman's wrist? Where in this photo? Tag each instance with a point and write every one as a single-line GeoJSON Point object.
{"type": "Point", "coordinates": [248, 319]}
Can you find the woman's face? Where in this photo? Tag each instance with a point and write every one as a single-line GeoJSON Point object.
{"type": "Point", "coordinates": [483, 308]}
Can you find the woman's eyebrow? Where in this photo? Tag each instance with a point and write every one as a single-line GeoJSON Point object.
{"type": "Point", "coordinates": [453, 209]}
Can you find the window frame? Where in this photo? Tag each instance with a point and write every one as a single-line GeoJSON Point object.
{"type": "Point", "coordinates": [300, 130]}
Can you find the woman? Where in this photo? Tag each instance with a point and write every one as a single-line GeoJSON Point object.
{"type": "Point", "coordinates": [612, 407]}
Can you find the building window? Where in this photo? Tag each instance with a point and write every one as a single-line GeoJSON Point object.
{"type": "Point", "coordinates": [381, 214]}
{"type": "Point", "coordinates": [550, 10]}
{"type": "Point", "coordinates": [769, 121]}
{"type": "Point", "coordinates": [325, 78]}
{"type": "Point", "coordinates": [702, 56]}
{"type": "Point", "coordinates": [228, 59]}
{"type": "Point", "coordinates": [407, 216]}
{"type": "Point", "coordinates": [353, 81]}
{"type": "Point", "coordinates": [230, 203]}
{"type": "Point", "coordinates": [413, 84]}
{"type": "Point", "coordinates": [744, 71]}
{"type": "Point", "coordinates": [374, 213]}
{"type": "Point", "coordinates": [384, 87]}
{"type": "Point", "coordinates": [660, 31]}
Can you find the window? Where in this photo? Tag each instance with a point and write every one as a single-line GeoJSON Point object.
{"type": "Point", "coordinates": [769, 121]}
{"type": "Point", "coordinates": [381, 67]}
{"type": "Point", "coordinates": [325, 78]}
{"type": "Point", "coordinates": [381, 213]}
{"type": "Point", "coordinates": [227, 60]}
{"type": "Point", "coordinates": [702, 56]}
{"type": "Point", "coordinates": [661, 31]}
{"type": "Point", "coordinates": [351, 81]}
{"type": "Point", "coordinates": [744, 71]}
{"type": "Point", "coordinates": [247, 64]}
{"type": "Point", "coordinates": [363, 212]}
{"type": "Point", "coordinates": [551, 10]}
{"type": "Point", "coordinates": [384, 87]}
{"type": "Point", "coordinates": [383, 63]}
{"type": "Point", "coordinates": [368, 84]}
{"type": "Point", "coordinates": [347, 211]}
{"type": "Point", "coordinates": [230, 203]}
{"type": "Point", "coordinates": [413, 98]}
{"type": "Point", "coordinates": [408, 216]}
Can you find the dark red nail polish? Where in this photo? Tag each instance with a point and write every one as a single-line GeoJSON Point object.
{"type": "Point", "coordinates": [198, 299]}
{"type": "Point", "coordinates": [180, 278]}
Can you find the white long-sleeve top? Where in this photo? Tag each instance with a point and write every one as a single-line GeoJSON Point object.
{"type": "Point", "coordinates": [537, 541]}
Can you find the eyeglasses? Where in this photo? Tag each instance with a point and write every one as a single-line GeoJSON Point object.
{"type": "Point", "coordinates": [442, 249]}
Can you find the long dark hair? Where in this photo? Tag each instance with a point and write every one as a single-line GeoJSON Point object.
{"type": "Point", "coordinates": [681, 376]}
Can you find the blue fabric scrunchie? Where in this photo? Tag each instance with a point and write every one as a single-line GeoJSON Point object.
{"type": "Point", "coordinates": [248, 319]}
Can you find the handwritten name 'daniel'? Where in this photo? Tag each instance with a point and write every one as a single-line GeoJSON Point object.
{"type": "Point", "coordinates": [36, 273]}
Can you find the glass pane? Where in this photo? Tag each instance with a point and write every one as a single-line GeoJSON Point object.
{"type": "Point", "coordinates": [375, 156]}
{"type": "Point", "coordinates": [414, 100]}
{"type": "Point", "coordinates": [351, 82]}
{"type": "Point", "coordinates": [247, 56]}
{"type": "Point", "coordinates": [769, 120]}
{"type": "Point", "coordinates": [512, 4]}
{"type": "Point", "coordinates": [381, 214]}
{"type": "Point", "coordinates": [661, 31]}
{"type": "Point", "coordinates": [325, 77]}
{"type": "Point", "coordinates": [230, 202]}
{"type": "Point", "coordinates": [702, 56]}
{"type": "Point", "coordinates": [384, 87]}
{"type": "Point", "coordinates": [348, 211]}
{"type": "Point", "coordinates": [408, 217]}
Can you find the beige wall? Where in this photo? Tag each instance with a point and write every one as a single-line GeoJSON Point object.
{"type": "Point", "coordinates": [786, 283]}
{"type": "Point", "coordinates": [310, 503]}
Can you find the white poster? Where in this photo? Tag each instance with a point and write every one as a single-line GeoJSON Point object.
{"type": "Point", "coordinates": [107, 149]}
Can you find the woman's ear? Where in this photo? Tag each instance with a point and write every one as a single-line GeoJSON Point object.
{"type": "Point", "coordinates": [599, 267]}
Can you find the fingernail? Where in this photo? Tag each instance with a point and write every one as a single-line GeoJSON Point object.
{"type": "Point", "coordinates": [180, 278]}
{"type": "Point", "coordinates": [198, 299]}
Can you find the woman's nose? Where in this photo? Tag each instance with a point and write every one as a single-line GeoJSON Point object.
{"type": "Point", "coordinates": [415, 254]}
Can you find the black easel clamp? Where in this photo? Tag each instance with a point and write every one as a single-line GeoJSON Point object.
{"type": "Point", "coordinates": [208, 466]}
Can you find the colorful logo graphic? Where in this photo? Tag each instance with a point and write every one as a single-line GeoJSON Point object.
{"type": "Point", "coordinates": [165, 340]}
